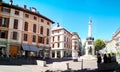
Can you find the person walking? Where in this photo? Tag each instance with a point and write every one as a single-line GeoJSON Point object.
{"type": "Point", "coordinates": [109, 58]}
{"type": "Point", "coordinates": [99, 59]}
{"type": "Point", "coordinates": [105, 58]}
{"type": "Point", "coordinates": [113, 58]}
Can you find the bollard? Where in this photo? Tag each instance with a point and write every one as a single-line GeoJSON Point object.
{"type": "Point", "coordinates": [67, 65]}
{"type": "Point", "coordinates": [82, 64]}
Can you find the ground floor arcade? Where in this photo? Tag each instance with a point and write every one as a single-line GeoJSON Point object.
{"type": "Point", "coordinates": [60, 53]}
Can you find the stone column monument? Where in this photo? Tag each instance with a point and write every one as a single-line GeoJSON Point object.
{"type": "Point", "coordinates": [89, 48]}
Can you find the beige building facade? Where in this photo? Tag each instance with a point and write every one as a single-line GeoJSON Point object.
{"type": "Point", "coordinates": [76, 45]}
{"type": "Point", "coordinates": [23, 31]}
{"type": "Point", "coordinates": [61, 42]}
{"type": "Point", "coordinates": [116, 38]}
{"type": "Point", "coordinates": [114, 44]}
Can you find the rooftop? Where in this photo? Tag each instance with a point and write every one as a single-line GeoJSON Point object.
{"type": "Point", "coordinates": [34, 12]}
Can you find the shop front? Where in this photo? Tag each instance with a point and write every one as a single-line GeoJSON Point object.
{"type": "Point", "coordinates": [3, 49]}
{"type": "Point", "coordinates": [30, 50]}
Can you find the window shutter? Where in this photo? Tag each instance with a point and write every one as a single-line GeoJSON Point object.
{"type": "Point", "coordinates": [11, 35]}
{"type": "Point", "coordinates": [0, 21]}
{"type": "Point", "coordinates": [1, 9]}
{"type": "Point", "coordinates": [7, 22]}
{"type": "Point", "coordinates": [9, 10]}
{"type": "Point", "coordinates": [17, 36]}
{"type": "Point", "coordinates": [6, 34]}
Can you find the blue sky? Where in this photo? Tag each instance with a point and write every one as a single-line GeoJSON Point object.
{"type": "Point", "coordinates": [73, 15]}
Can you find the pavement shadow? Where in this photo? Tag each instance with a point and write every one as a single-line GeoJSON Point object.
{"type": "Point", "coordinates": [49, 61]}
{"type": "Point", "coordinates": [18, 61]}
{"type": "Point", "coordinates": [83, 70]}
{"type": "Point", "coordinates": [28, 60]}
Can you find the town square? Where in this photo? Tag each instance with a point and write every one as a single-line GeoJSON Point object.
{"type": "Point", "coordinates": [59, 36]}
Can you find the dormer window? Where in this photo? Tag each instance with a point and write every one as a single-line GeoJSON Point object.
{"type": "Point", "coordinates": [16, 12]}
{"type": "Point", "coordinates": [35, 18]}
{"type": "Point", "coordinates": [48, 23]}
{"type": "Point", "coordinates": [42, 20]}
{"type": "Point", "coordinates": [27, 15]}
{"type": "Point", "coordinates": [6, 10]}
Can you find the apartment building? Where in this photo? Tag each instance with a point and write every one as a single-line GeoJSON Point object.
{"type": "Point", "coordinates": [61, 42]}
{"type": "Point", "coordinates": [23, 31]}
{"type": "Point", "coordinates": [76, 45]}
{"type": "Point", "coordinates": [114, 44]}
{"type": "Point", "coordinates": [116, 38]}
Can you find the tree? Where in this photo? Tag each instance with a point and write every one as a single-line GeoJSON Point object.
{"type": "Point", "coordinates": [84, 44]}
{"type": "Point", "coordinates": [99, 44]}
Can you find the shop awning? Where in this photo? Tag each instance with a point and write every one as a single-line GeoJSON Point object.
{"type": "Point", "coordinates": [25, 47]}
{"type": "Point", "coordinates": [30, 48]}
{"type": "Point", "coordinates": [34, 48]}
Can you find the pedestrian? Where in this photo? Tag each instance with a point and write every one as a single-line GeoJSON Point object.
{"type": "Point", "coordinates": [109, 58]}
{"type": "Point", "coordinates": [105, 58]}
{"type": "Point", "coordinates": [99, 59]}
{"type": "Point", "coordinates": [113, 58]}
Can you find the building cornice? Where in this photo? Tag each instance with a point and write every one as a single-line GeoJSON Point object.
{"type": "Point", "coordinates": [26, 10]}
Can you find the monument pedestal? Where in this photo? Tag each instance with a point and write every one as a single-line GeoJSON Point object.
{"type": "Point", "coordinates": [88, 57]}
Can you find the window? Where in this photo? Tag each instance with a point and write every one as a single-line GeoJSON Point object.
{"type": "Point", "coordinates": [35, 18]}
{"type": "Point", "coordinates": [58, 38]}
{"type": "Point", "coordinates": [6, 10]}
{"type": "Point", "coordinates": [53, 39]}
{"type": "Point", "coordinates": [26, 26]}
{"type": "Point", "coordinates": [27, 15]}
{"type": "Point", "coordinates": [42, 20]}
{"type": "Point", "coordinates": [47, 41]}
{"type": "Point", "coordinates": [48, 32]}
{"type": "Point", "coordinates": [52, 32]}
{"type": "Point", "coordinates": [58, 45]}
{"type": "Point", "coordinates": [4, 22]}
{"type": "Point", "coordinates": [25, 37]}
{"type": "Point", "coordinates": [16, 12]}
{"type": "Point", "coordinates": [75, 45]}
{"type": "Point", "coordinates": [14, 36]}
{"type": "Point", "coordinates": [52, 45]}
{"type": "Point", "coordinates": [41, 30]}
{"type": "Point", "coordinates": [41, 40]}
{"type": "Point", "coordinates": [65, 45]}
{"type": "Point", "coordinates": [89, 42]}
{"type": "Point", "coordinates": [64, 38]}
{"type": "Point", "coordinates": [15, 24]}
{"type": "Point", "coordinates": [34, 28]}
{"type": "Point", "coordinates": [48, 23]}
{"type": "Point", "coordinates": [34, 38]}
{"type": "Point", "coordinates": [3, 34]}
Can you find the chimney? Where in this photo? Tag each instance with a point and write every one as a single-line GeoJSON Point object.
{"type": "Point", "coordinates": [25, 6]}
{"type": "Point", "coordinates": [33, 9]}
{"type": "Point", "coordinates": [11, 2]}
{"type": "Point", "coordinates": [58, 25]}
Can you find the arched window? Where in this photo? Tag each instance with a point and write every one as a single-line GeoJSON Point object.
{"type": "Point", "coordinates": [34, 28]}
{"type": "Point", "coordinates": [41, 30]}
{"type": "Point", "coordinates": [26, 26]}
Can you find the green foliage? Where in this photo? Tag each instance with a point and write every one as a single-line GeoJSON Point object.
{"type": "Point", "coordinates": [99, 44]}
{"type": "Point", "coordinates": [118, 53]}
{"type": "Point", "coordinates": [0, 2]}
{"type": "Point", "coordinates": [84, 44]}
